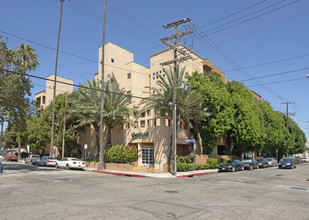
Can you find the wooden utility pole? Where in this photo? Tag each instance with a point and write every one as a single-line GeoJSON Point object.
{"type": "Point", "coordinates": [287, 113]}
{"type": "Point", "coordinates": [172, 42]}
{"type": "Point", "coordinates": [64, 125]}
{"type": "Point", "coordinates": [101, 155]}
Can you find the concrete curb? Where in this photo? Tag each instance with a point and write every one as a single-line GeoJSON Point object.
{"type": "Point", "coordinates": [155, 175]}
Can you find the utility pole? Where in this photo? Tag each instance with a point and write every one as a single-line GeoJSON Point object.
{"type": "Point", "coordinates": [64, 126]}
{"type": "Point", "coordinates": [1, 144]}
{"type": "Point", "coordinates": [55, 80]}
{"type": "Point", "coordinates": [101, 155]}
{"type": "Point", "coordinates": [287, 113]}
{"type": "Point", "coordinates": [172, 42]}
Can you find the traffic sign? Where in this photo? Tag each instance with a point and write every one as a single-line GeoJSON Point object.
{"type": "Point", "coordinates": [190, 140]}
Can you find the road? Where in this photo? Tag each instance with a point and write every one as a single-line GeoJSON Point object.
{"type": "Point", "coordinates": [31, 192]}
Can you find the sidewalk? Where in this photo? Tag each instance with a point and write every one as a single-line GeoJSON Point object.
{"type": "Point", "coordinates": [154, 175]}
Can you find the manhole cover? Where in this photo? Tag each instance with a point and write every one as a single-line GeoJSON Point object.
{"type": "Point", "coordinates": [171, 191]}
{"type": "Point", "coordinates": [299, 188]}
{"type": "Point", "coordinates": [279, 175]}
{"type": "Point", "coordinates": [307, 179]}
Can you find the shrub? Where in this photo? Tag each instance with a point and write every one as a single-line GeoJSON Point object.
{"type": "Point", "coordinates": [212, 163]}
{"type": "Point", "coordinates": [224, 160]}
{"type": "Point", "coordinates": [184, 167]}
{"type": "Point", "coordinates": [184, 159]}
{"type": "Point", "coordinates": [122, 154]}
{"type": "Point", "coordinates": [201, 166]}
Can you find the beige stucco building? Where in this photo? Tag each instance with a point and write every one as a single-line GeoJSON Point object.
{"type": "Point", "coordinates": [44, 98]}
{"type": "Point", "coordinates": [153, 134]}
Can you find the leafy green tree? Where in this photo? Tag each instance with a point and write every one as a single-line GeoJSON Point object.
{"type": "Point", "coordinates": [219, 102]}
{"type": "Point", "coordinates": [247, 129]}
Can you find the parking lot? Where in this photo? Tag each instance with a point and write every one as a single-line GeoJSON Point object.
{"type": "Point", "coordinates": [32, 192]}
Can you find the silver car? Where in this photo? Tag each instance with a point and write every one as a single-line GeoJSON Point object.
{"type": "Point", "coordinates": [47, 161]}
{"type": "Point", "coordinates": [272, 162]}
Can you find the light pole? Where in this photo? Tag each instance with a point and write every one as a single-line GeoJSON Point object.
{"type": "Point", "coordinates": [55, 79]}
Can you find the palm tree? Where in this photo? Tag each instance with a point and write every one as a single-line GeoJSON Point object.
{"type": "Point", "coordinates": [189, 101]}
{"type": "Point", "coordinates": [26, 57]}
{"type": "Point", "coordinates": [86, 106]}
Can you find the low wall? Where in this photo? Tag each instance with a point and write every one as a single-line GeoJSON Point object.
{"type": "Point", "coordinates": [201, 159]}
{"type": "Point", "coordinates": [113, 166]}
{"type": "Point", "coordinates": [219, 157]}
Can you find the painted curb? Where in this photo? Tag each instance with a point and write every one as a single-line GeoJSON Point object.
{"type": "Point", "coordinates": [119, 174]}
{"type": "Point", "coordinates": [194, 174]}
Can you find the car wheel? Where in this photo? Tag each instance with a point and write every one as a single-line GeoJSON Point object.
{"type": "Point", "coordinates": [56, 165]}
{"type": "Point", "coordinates": [250, 168]}
{"type": "Point", "coordinates": [242, 168]}
{"type": "Point", "coordinates": [67, 167]}
{"type": "Point", "coordinates": [233, 169]}
{"type": "Point", "coordinates": [25, 162]}
{"type": "Point", "coordinates": [44, 164]}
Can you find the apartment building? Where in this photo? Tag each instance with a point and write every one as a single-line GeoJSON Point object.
{"type": "Point", "coordinates": [44, 98]}
{"type": "Point", "coordinates": [153, 135]}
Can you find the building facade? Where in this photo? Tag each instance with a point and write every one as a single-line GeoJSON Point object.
{"type": "Point", "coordinates": [45, 97]}
{"type": "Point", "coordinates": [153, 134]}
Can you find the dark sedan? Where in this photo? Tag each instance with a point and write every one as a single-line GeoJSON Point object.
{"type": "Point", "coordinates": [251, 164]}
{"type": "Point", "coordinates": [263, 163]}
{"type": "Point", "coordinates": [287, 163]}
{"type": "Point", "coordinates": [232, 165]}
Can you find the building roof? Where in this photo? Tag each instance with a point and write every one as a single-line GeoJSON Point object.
{"type": "Point", "coordinates": [41, 92]}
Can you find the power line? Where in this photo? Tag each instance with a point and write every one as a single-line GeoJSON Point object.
{"type": "Point", "coordinates": [289, 80]}
{"type": "Point", "coordinates": [249, 18]}
{"type": "Point", "coordinates": [230, 15]}
{"type": "Point", "coordinates": [271, 62]}
{"type": "Point", "coordinates": [275, 74]}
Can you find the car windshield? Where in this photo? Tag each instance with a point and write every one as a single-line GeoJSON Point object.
{"type": "Point", "coordinates": [230, 161]}
{"type": "Point", "coordinates": [286, 160]}
{"type": "Point", "coordinates": [269, 159]}
{"type": "Point", "coordinates": [247, 161]}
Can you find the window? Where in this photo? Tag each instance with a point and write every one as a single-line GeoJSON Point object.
{"type": "Point", "coordinates": [180, 124]}
{"type": "Point", "coordinates": [153, 78]}
{"type": "Point", "coordinates": [148, 113]}
{"type": "Point", "coordinates": [163, 75]}
{"type": "Point", "coordinates": [147, 156]}
{"type": "Point", "coordinates": [168, 122]}
{"type": "Point", "coordinates": [148, 123]}
{"type": "Point", "coordinates": [129, 75]}
{"type": "Point", "coordinates": [153, 91]}
{"type": "Point", "coordinates": [44, 100]}
{"type": "Point", "coordinates": [155, 122]}
{"type": "Point", "coordinates": [153, 74]}
{"type": "Point", "coordinates": [112, 60]}
{"type": "Point", "coordinates": [143, 114]}
{"type": "Point", "coordinates": [142, 123]}
{"type": "Point", "coordinates": [129, 97]}
{"type": "Point", "coordinates": [156, 77]}
{"type": "Point", "coordinates": [160, 71]}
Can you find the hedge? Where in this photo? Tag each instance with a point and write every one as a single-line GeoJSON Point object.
{"type": "Point", "coordinates": [122, 154]}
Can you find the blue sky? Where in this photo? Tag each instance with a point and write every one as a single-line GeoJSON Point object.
{"type": "Point", "coordinates": [234, 35]}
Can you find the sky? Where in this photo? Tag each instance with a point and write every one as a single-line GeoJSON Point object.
{"type": "Point", "coordinates": [246, 39]}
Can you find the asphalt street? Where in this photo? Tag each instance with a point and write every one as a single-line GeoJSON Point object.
{"type": "Point", "coordinates": [32, 192]}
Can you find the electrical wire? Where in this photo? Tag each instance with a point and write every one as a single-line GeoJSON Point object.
{"type": "Point", "coordinates": [275, 74]}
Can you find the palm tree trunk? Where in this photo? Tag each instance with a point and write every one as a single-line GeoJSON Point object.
{"type": "Point", "coordinates": [96, 130]}
{"type": "Point", "coordinates": [200, 142]}
{"type": "Point", "coordinates": [109, 135]}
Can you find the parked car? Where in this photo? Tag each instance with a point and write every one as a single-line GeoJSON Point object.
{"type": "Point", "coordinates": [47, 161]}
{"type": "Point", "coordinates": [232, 165]}
{"type": "Point", "coordinates": [11, 157]}
{"type": "Point", "coordinates": [287, 162]}
{"type": "Point", "coordinates": [305, 160]}
{"type": "Point", "coordinates": [70, 163]}
{"type": "Point", "coordinates": [263, 163]}
{"type": "Point", "coordinates": [251, 164]}
{"type": "Point", "coordinates": [32, 158]}
{"type": "Point", "coordinates": [272, 162]}
{"type": "Point", "coordinates": [296, 159]}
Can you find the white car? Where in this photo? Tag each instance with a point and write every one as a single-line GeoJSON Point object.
{"type": "Point", "coordinates": [47, 161]}
{"type": "Point", "coordinates": [305, 160]}
{"type": "Point", "coordinates": [70, 163]}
